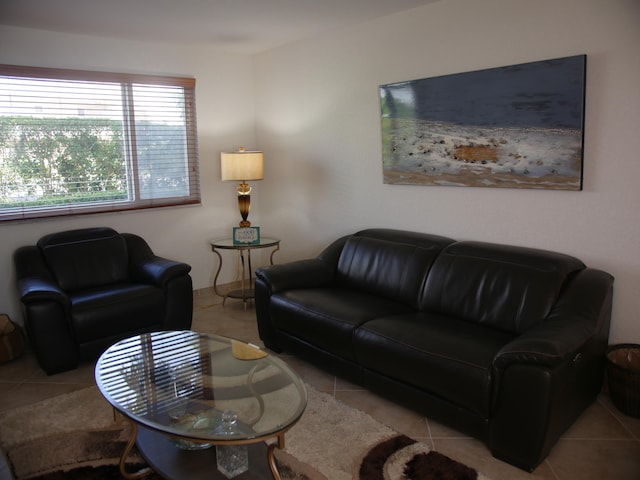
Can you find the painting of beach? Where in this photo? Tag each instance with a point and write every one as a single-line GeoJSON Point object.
{"type": "Point", "coordinates": [519, 126]}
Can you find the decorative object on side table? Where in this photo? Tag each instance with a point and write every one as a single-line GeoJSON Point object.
{"type": "Point", "coordinates": [246, 235]}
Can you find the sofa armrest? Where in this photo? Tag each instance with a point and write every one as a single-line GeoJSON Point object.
{"type": "Point", "coordinates": [582, 313]}
{"type": "Point", "coordinates": [545, 378]}
{"type": "Point", "coordinates": [308, 273]}
{"type": "Point", "coordinates": [274, 279]}
{"type": "Point", "coordinates": [299, 274]}
{"type": "Point", "coordinates": [547, 345]}
{"type": "Point", "coordinates": [146, 267]}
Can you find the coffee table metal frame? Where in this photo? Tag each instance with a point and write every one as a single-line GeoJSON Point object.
{"type": "Point", "coordinates": [111, 381]}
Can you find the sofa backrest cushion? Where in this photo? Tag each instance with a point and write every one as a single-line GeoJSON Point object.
{"type": "Point", "coordinates": [506, 287]}
{"type": "Point", "coordinates": [386, 264]}
{"type": "Point", "coordinates": [86, 258]}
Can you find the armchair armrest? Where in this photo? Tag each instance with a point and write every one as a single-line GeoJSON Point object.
{"type": "Point", "coordinates": [45, 308]}
{"type": "Point", "coordinates": [146, 267]}
{"type": "Point", "coordinates": [159, 271]}
{"type": "Point", "coordinates": [34, 281]}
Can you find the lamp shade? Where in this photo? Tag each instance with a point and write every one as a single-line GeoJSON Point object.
{"type": "Point", "coordinates": [242, 165]}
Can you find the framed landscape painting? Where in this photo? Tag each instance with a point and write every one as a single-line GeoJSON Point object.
{"type": "Point", "coordinates": [519, 126]}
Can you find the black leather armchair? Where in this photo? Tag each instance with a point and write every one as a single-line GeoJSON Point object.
{"type": "Point", "coordinates": [83, 290]}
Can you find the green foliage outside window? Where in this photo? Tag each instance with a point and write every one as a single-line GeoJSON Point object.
{"type": "Point", "coordinates": [53, 161]}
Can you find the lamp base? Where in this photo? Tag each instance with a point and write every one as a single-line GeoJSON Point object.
{"type": "Point", "coordinates": [244, 203]}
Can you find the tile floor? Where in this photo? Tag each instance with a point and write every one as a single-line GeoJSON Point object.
{"type": "Point", "coordinates": [602, 444]}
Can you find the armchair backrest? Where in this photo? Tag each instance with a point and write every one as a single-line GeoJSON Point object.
{"type": "Point", "coordinates": [86, 258]}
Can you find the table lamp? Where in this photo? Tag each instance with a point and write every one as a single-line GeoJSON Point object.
{"type": "Point", "coordinates": [242, 166]}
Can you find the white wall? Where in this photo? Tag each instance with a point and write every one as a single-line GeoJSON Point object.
{"type": "Point", "coordinates": [225, 116]}
{"type": "Point", "coordinates": [318, 123]}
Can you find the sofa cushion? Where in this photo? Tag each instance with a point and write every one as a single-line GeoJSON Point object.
{"type": "Point", "coordinates": [86, 258]}
{"type": "Point", "coordinates": [393, 270]}
{"type": "Point", "coordinates": [506, 287]}
{"type": "Point", "coordinates": [448, 357]}
{"type": "Point", "coordinates": [327, 317]}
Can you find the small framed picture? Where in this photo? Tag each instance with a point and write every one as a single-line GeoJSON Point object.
{"type": "Point", "coordinates": [246, 235]}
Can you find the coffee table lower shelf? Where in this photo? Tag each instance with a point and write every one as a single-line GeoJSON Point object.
{"type": "Point", "coordinates": [173, 463]}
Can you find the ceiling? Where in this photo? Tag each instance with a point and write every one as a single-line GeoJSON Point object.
{"type": "Point", "coordinates": [239, 26]}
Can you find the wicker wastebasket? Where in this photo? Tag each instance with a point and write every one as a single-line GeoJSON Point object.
{"type": "Point", "coordinates": [623, 373]}
{"type": "Point", "coordinates": [11, 341]}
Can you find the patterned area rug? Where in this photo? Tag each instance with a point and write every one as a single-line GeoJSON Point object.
{"type": "Point", "coordinates": [401, 457]}
{"type": "Point", "coordinates": [76, 437]}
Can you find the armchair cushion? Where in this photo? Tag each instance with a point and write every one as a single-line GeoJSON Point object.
{"type": "Point", "coordinates": [106, 312]}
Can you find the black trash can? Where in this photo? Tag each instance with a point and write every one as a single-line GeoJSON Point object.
{"type": "Point", "coordinates": [623, 373]}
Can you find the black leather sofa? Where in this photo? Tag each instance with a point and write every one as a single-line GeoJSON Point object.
{"type": "Point", "coordinates": [504, 343]}
{"type": "Point", "coordinates": [83, 290]}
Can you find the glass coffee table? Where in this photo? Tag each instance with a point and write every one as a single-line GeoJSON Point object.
{"type": "Point", "coordinates": [196, 401]}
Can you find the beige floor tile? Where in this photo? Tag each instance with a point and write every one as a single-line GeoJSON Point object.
{"type": "Point", "coordinates": [84, 374]}
{"type": "Point", "coordinates": [595, 459]}
{"type": "Point", "coordinates": [21, 368]}
{"type": "Point", "coordinates": [317, 378]}
{"type": "Point", "coordinates": [439, 430]}
{"type": "Point", "coordinates": [346, 385]}
{"type": "Point", "coordinates": [631, 424]}
{"type": "Point", "coordinates": [597, 421]}
{"type": "Point", "coordinates": [401, 419]}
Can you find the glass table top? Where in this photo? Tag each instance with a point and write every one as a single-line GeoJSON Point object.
{"type": "Point", "coordinates": [201, 387]}
{"type": "Point", "coordinates": [229, 243]}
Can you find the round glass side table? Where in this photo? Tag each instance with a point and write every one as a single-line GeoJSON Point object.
{"type": "Point", "coordinates": [245, 292]}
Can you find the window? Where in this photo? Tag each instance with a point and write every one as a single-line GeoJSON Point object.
{"type": "Point", "coordinates": [75, 142]}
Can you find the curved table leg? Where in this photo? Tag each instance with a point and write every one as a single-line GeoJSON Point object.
{"type": "Point", "coordinates": [272, 459]}
{"type": "Point", "coordinates": [277, 247]}
{"type": "Point", "coordinates": [215, 280]}
{"type": "Point", "coordinates": [242, 286]}
{"type": "Point", "coordinates": [127, 450]}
